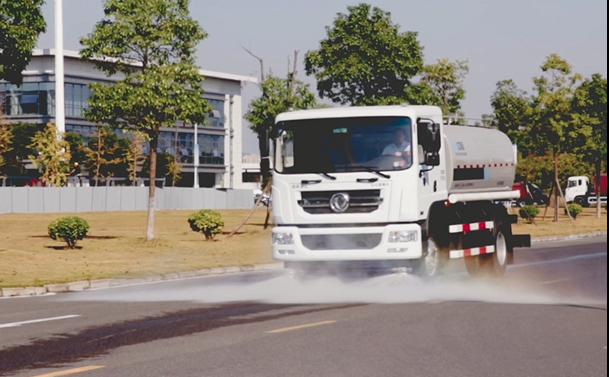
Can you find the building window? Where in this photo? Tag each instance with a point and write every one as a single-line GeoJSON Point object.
{"type": "Point", "coordinates": [216, 117]}
{"type": "Point", "coordinates": [39, 99]}
{"type": "Point", "coordinates": [211, 149]}
{"type": "Point", "coordinates": [76, 99]}
{"type": "Point", "coordinates": [29, 98]}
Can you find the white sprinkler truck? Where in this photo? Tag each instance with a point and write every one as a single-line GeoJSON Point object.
{"type": "Point", "coordinates": [391, 187]}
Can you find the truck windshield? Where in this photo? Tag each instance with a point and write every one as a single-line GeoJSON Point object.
{"type": "Point", "coordinates": [344, 144]}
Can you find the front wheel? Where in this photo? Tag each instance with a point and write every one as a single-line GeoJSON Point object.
{"type": "Point", "coordinates": [434, 261]}
{"type": "Point", "coordinates": [579, 200]}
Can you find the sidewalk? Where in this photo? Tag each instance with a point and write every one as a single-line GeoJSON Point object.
{"type": "Point", "coordinates": [107, 283]}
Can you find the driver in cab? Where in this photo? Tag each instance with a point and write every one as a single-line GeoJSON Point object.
{"type": "Point", "coordinates": [400, 146]}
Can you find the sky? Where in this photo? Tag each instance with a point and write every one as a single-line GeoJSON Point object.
{"type": "Point", "coordinates": [499, 39]}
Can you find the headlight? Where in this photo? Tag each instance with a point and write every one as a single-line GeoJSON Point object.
{"type": "Point", "coordinates": [403, 236]}
{"type": "Point", "coordinates": [283, 239]}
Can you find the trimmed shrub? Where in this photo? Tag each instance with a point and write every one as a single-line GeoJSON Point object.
{"type": "Point", "coordinates": [529, 212]}
{"type": "Point", "coordinates": [69, 229]}
{"type": "Point", "coordinates": [207, 222]}
{"type": "Point", "coordinates": [574, 209]}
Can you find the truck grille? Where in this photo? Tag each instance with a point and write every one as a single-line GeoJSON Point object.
{"type": "Point", "coordinates": [341, 242]}
{"type": "Point", "coordinates": [360, 201]}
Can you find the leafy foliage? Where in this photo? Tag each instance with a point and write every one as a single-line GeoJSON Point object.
{"type": "Point", "coordinates": [277, 97]}
{"type": "Point", "coordinates": [174, 169]}
{"type": "Point", "coordinates": [445, 80]}
{"type": "Point", "coordinates": [365, 60]}
{"type": "Point", "coordinates": [152, 42]}
{"type": "Point", "coordinates": [539, 169]}
{"type": "Point", "coordinates": [5, 143]}
{"type": "Point", "coordinates": [207, 222]}
{"type": "Point", "coordinates": [103, 153]}
{"type": "Point", "coordinates": [53, 156]}
{"type": "Point", "coordinates": [528, 212]}
{"type": "Point", "coordinates": [21, 22]}
{"type": "Point", "coordinates": [134, 156]}
{"type": "Point", "coordinates": [77, 148]}
{"type": "Point", "coordinates": [21, 139]}
{"type": "Point", "coordinates": [574, 209]}
{"type": "Point", "coordinates": [70, 229]}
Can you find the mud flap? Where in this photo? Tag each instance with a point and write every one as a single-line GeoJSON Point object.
{"type": "Point", "coordinates": [521, 240]}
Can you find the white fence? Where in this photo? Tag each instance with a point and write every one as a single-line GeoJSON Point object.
{"type": "Point", "coordinates": [118, 198]}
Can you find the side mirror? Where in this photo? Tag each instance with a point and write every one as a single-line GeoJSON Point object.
{"type": "Point", "coordinates": [430, 140]}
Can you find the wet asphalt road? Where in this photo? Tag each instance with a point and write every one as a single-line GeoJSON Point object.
{"type": "Point", "coordinates": [547, 317]}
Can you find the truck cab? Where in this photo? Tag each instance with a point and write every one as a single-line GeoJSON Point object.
{"type": "Point", "coordinates": [578, 188]}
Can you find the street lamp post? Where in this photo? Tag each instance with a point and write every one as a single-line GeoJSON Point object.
{"type": "Point", "coordinates": [60, 115]}
{"type": "Point", "coordinates": [196, 159]}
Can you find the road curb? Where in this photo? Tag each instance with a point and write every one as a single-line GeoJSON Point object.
{"type": "Point", "coordinates": [567, 237]}
{"type": "Point", "coordinates": [108, 283]}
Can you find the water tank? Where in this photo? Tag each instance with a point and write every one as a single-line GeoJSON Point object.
{"type": "Point", "coordinates": [478, 159]}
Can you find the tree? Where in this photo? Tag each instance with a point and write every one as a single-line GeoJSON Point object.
{"type": "Point", "coordinates": [174, 170]}
{"type": "Point", "coordinates": [445, 80]}
{"type": "Point", "coordinates": [365, 60]}
{"type": "Point", "coordinates": [134, 156]}
{"type": "Point", "coordinates": [21, 138]}
{"type": "Point", "coordinates": [102, 153]}
{"type": "Point", "coordinates": [277, 97]}
{"type": "Point", "coordinates": [513, 115]}
{"type": "Point", "coordinates": [554, 95]}
{"type": "Point", "coordinates": [152, 42]}
{"type": "Point", "coordinates": [5, 144]}
{"type": "Point", "coordinates": [21, 22]}
{"type": "Point", "coordinates": [53, 156]}
{"type": "Point", "coordinates": [77, 148]}
{"type": "Point", "coordinates": [590, 107]}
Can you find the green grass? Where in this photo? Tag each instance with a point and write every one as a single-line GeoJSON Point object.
{"type": "Point", "coordinates": [115, 246]}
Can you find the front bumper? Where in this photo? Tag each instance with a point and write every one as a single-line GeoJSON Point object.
{"type": "Point", "coordinates": [346, 244]}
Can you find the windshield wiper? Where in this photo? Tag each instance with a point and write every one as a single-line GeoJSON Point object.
{"type": "Point", "coordinates": [371, 170]}
{"type": "Point", "coordinates": [327, 176]}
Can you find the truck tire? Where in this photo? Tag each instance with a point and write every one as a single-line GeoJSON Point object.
{"type": "Point", "coordinates": [434, 261]}
{"type": "Point", "coordinates": [490, 265]}
{"type": "Point", "coordinates": [580, 200]}
{"type": "Point", "coordinates": [496, 264]}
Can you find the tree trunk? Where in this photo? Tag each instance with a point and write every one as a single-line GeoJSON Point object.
{"type": "Point", "coordinates": [556, 193]}
{"type": "Point", "coordinates": [152, 187]}
{"type": "Point", "coordinates": [597, 178]}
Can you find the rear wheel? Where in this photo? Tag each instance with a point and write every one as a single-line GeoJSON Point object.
{"type": "Point", "coordinates": [494, 264]}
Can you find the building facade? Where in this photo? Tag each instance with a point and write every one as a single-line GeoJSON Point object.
{"type": "Point", "coordinates": [219, 140]}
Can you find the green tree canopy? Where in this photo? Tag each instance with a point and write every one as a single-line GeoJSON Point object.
{"type": "Point", "coordinates": [77, 148]}
{"type": "Point", "coordinates": [590, 107]}
{"type": "Point", "coordinates": [513, 115]}
{"type": "Point", "coordinates": [365, 59]}
{"type": "Point", "coordinates": [277, 97]}
{"type": "Point", "coordinates": [152, 42]}
{"type": "Point", "coordinates": [21, 22]}
{"type": "Point", "coordinates": [445, 80]}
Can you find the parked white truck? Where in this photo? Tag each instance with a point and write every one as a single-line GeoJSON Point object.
{"type": "Point", "coordinates": [391, 187]}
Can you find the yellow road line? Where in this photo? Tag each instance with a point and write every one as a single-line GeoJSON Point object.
{"type": "Point", "coordinates": [286, 329]}
{"type": "Point", "coordinates": [71, 371]}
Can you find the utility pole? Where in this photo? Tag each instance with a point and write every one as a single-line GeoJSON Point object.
{"type": "Point", "coordinates": [60, 110]}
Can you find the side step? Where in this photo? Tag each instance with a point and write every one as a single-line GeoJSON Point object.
{"type": "Point", "coordinates": [457, 254]}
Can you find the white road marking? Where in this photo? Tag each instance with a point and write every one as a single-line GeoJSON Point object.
{"type": "Point", "coordinates": [562, 260]}
{"type": "Point", "coordinates": [554, 281]}
{"type": "Point", "coordinates": [17, 324]}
